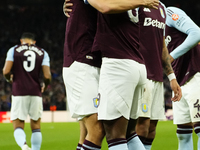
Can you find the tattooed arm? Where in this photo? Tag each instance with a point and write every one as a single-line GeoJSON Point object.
{"type": "Point", "coordinates": [167, 67]}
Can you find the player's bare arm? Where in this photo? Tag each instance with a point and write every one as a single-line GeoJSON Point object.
{"type": "Point", "coordinates": [118, 6]}
{"type": "Point", "coordinates": [168, 70]}
{"type": "Point", "coordinates": [47, 76]}
{"type": "Point", "coordinates": [166, 61]}
{"type": "Point", "coordinates": [7, 71]}
{"type": "Point", "coordinates": [66, 8]}
{"type": "Point", "coordinates": [171, 58]}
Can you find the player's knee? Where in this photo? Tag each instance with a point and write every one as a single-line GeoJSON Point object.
{"type": "Point", "coordinates": [152, 130]}
{"type": "Point", "coordinates": [100, 132]}
{"type": "Point", "coordinates": [142, 130]}
{"type": "Point", "coordinates": [143, 133]}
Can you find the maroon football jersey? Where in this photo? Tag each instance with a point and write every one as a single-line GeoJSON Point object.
{"type": "Point", "coordinates": [79, 35]}
{"type": "Point", "coordinates": [26, 70]}
{"type": "Point", "coordinates": [188, 64]}
{"type": "Point", "coordinates": [152, 25]}
{"type": "Point", "coordinates": [118, 36]}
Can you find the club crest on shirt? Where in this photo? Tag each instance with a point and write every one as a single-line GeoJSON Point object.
{"type": "Point", "coordinates": [175, 17]}
{"type": "Point", "coordinates": [96, 101]}
{"type": "Point", "coordinates": [162, 13]}
{"type": "Point", "coordinates": [144, 107]}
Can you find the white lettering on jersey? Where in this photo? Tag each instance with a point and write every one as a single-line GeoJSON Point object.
{"type": "Point", "coordinates": [168, 39]}
{"type": "Point", "coordinates": [32, 48]}
{"type": "Point", "coordinates": [147, 10]}
{"type": "Point", "coordinates": [133, 18]}
{"type": "Point", "coordinates": [21, 48]}
{"type": "Point", "coordinates": [154, 23]}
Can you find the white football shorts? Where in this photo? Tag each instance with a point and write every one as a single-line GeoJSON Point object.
{"type": "Point", "coordinates": [121, 86]}
{"type": "Point", "coordinates": [22, 106]}
{"type": "Point", "coordinates": [152, 105]}
{"type": "Point", "coordinates": [81, 83]}
{"type": "Point", "coordinates": [188, 108]}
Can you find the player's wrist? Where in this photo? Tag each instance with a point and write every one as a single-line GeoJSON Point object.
{"type": "Point", "coordinates": [7, 80]}
{"type": "Point", "coordinates": [171, 76]}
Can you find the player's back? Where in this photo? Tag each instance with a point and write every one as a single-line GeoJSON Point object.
{"type": "Point", "coordinates": [79, 35]}
{"type": "Point", "coordinates": [152, 26]}
{"type": "Point", "coordinates": [118, 35]}
{"type": "Point", "coordinates": [26, 70]}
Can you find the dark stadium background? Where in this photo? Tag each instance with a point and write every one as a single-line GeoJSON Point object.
{"type": "Point", "coordinates": [46, 19]}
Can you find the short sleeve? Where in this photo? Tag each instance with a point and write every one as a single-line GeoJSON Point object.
{"type": "Point", "coordinates": [46, 59]}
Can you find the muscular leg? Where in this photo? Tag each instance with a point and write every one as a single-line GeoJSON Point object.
{"type": "Point", "coordinates": [146, 130]}
{"type": "Point", "coordinates": [19, 134]}
{"type": "Point", "coordinates": [36, 137]}
{"type": "Point", "coordinates": [151, 134]}
{"type": "Point", "coordinates": [116, 133]}
{"type": "Point", "coordinates": [18, 124]}
{"type": "Point", "coordinates": [132, 138]}
{"type": "Point", "coordinates": [184, 134]}
{"type": "Point", "coordinates": [95, 132]}
{"type": "Point", "coordinates": [83, 133]}
{"type": "Point", "coordinates": [152, 129]}
{"type": "Point", "coordinates": [142, 128]}
{"type": "Point", "coordinates": [35, 124]}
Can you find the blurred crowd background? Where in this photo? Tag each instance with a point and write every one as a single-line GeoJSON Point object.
{"type": "Point", "coordinates": [45, 18]}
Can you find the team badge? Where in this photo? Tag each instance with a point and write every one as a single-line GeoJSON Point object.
{"type": "Point", "coordinates": [144, 107]}
{"type": "Point", "coordinates": [162, 13]}
{"type": "Point", "coordinates": [96, 101]}
{"type": "Point", "coordinates": [175, 17]}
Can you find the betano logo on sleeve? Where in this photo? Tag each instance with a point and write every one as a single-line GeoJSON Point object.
{"type": "Point", "coordinates": [175, 17]}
